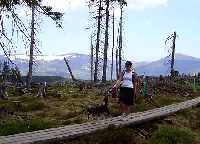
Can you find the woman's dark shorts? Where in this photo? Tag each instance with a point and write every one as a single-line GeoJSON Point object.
{"type": "Point", "coordinates": [126, 95]}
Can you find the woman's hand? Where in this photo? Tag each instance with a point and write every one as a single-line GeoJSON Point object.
{"type": "Point", "coordinates": [114, 86]}
{"type": "Point", "coordinates": [118, 82]}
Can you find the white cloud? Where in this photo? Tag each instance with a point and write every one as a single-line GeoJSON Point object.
{"type": "Point", "coordinates": [64, 5]}
{"type": "Point", "coordinates": [142, 4]}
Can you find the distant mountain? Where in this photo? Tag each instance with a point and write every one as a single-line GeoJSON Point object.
{"type": "Point", "coordinates": [55, 65]}
{"type": "Point", "coordinates": [48, 79]}
{"type": "Point", "coordinates": [183, 63]}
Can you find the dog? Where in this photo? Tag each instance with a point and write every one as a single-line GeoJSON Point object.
{"type": "Point", "coordinates": [99, 109]}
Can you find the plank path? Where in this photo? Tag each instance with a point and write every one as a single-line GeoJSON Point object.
{"type": "Point", "coordinates": [76, 130]}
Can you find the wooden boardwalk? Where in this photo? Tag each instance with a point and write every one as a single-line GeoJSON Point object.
{"type": "Point", "coordinates": [72, 131]}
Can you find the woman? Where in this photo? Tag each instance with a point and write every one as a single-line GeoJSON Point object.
{"type": "Point", "coordinates": [127, 84]}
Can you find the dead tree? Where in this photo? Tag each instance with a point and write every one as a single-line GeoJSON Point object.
{"type": "Point", "coordinates": [98, 40]}
{"type": "Point", "coordinates": [69, 69]}
{"type": "Point", "coordinates": [120, 39]}
{"type": "Point", "coordinates": [113, 43]}
{"type": "Point", "coordinates": [116, 60]}
{"type": "Point", "coordinates": [172, 51]}
{"type": "Point", "coordinates": [122, 4]}
{"type": "Point", "coordinates": [42, 90]}
{"type": "Point", "coordinates": [55, 16]}
{"type": "Point", "coordinates": [117, 56]}
{"type": "Point", "coordinates": [29, 76]}
{"type": "Point", "coordinates": [8, 12]}
{"type": "Point", "coordinates": [106, 41]}
{"type": "Point", "coordinates": [91, 59]}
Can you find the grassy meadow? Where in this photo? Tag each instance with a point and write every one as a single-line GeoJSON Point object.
{"type": "Point", "coordinates": [65, 105]}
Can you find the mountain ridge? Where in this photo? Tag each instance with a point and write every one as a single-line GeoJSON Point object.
{"type": "Point", "coordinates": [80, 65]}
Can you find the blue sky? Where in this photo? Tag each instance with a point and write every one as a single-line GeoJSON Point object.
{"type": "Point", "coordinates": [147, 24]}
{"type": "Point", "coordinates": [147, 29]}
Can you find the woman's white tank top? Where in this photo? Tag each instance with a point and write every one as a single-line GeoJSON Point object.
{"type": "Point", "coordinates": [127, 79]}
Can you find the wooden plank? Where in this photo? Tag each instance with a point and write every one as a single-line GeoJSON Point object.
{"type": "Point", "coordinates": [76, 130]}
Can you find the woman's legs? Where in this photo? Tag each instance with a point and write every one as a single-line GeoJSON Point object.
{"type": "Point", "coordinates": [124, 108]}
{"type": "Point", "coordinates": [121, 107]}
{"type": "Point", "coordinates": [126, 99]}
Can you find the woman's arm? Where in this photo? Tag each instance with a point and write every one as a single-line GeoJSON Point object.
{"type": "Point", "coordinates": [118, 82]}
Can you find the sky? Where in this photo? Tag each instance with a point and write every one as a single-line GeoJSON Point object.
{"type": "Point", "coordinates": [147, 23]}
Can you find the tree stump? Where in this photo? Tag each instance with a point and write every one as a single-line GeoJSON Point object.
{"type": "Point", "coordinates": [17, 105]}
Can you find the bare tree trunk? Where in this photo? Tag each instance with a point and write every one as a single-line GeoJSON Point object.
{"type": "Point", "coordinates": [106, 42]}
{"type": "Point", "coordinates": [91, 60]}
{"type": "Point", "coordinates": [120, 40]}
{"type": "Point", "coordinates": [29, 77]}
{"type": "Point", "coordinates": [97, 44]}
{"type": "Point", "coordinates": [113, 43]}
{"type": "Point", "coordinates": [69, 69]}
{"type": "Point", "coordinates": [173, 54]}
{"type": "Point", "coordinates": [117, 70]}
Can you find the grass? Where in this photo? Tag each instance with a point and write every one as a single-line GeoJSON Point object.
{"type": "Point", "coordinates": [110, 136]}
{"type": "Point", "coordinates": [70, 108]}
{"type": "Point", "coordinates": [67, 109]}
{"type": "Point", "coordinates": [172, 135]}
{"type": "Point", "coordinates": [24, 104]}
{"type": "Point", "coordinates": [19, 126]}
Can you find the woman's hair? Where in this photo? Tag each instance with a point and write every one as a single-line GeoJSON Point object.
{"type": "Point", "coordinates": [128, 63]}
